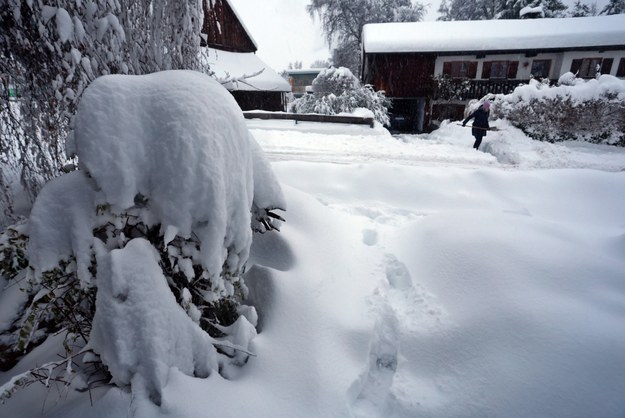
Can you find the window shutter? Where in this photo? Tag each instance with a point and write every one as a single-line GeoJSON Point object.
{"type": "Point", "coordinates": [472, 70]}
{"type": "Point", "coordinates": [620, 72]}
{"type": "Point", "coordinates": [486, 69]}
{"type": "Point", "coordinates": [576, 65]}
{"type": "Point", "coordinates": [606, 65]}
{"type": "Point", "coordinates": [547, 68]}
{"type": "Point", "coordinates": [512, 69]}
{"type": "Point", "coordinates": [447, 68]}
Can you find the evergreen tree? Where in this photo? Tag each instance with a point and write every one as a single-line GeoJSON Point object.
{"type": "Point", "coordinates": [342, 22]}
{"type": "Point", "coordinates": [582, 9]}
{"type": "Point", "coordinates": [498, 9]}
{"type": "Point", "coordinates": [554, 8]}
{"type": "Point", "coordinates": [337, 90]}
{"type": "Point", "coordinates": [614, 7]}
{"type": "Point", "coordinates": [468, 10]}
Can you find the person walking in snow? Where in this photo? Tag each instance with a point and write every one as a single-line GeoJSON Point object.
{"type": "Point", "coordinates": [480, 124]}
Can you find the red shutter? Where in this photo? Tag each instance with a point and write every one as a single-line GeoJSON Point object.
{"type": "Point", "coordinates": [512, 69]}
{"type": "Point", "coordinates": [472, 70]}
{"type": "Point", "coordinates": [606, 65]}
{"type": "Point", "coordinates": [576, 65]}
{"type": "Point", "coordinates": [447, 68]}
{"type": "Point", "coordinates": [486, 70]}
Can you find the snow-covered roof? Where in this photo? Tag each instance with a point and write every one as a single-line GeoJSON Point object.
{"type": "Point", "coordinates": [495, 35]}
{"type": "Point", "coordinates": [236, 66]}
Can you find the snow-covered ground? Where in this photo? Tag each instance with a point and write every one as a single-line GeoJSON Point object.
{"type": "Point", "coordinates": [417, 277]}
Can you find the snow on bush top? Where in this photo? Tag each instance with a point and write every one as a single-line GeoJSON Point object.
{"type": "Point", "coordinates": [334, 81]}
{"type": "Point", "coordinates": [577, 89]}
{"type": "Point", "coordinates": [156, 135]}
{"type": "Point", "coordinates": [178, 140]}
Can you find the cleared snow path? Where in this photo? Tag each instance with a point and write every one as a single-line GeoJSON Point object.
{"type": "Point", "coordinates": [451, 145]}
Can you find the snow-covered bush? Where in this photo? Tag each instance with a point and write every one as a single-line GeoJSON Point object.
{"type": "Point", "coordinates": [138, 256]}
{"type": "Point", "coordinates": [590, 110]}
{"type": "Point", "coordinates": [337, 90]}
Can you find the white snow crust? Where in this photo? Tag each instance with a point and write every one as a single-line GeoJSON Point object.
{"type": "Point", "coordinates": [61, 223]}
{"type": "Point", "coordinates": [139, 330]}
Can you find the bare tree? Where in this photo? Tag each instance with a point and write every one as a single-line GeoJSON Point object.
{"type": "Point", "coordinates": [342, 22]}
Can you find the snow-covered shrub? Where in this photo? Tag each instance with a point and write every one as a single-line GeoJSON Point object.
{"type": "Point", "coordinates": [337, 90]}
{"type": "Point", "coordinates": [138, 255]}
{"type": "Point", "coordinates": [592, 110]}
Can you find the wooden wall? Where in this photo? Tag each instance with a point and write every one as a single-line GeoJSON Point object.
{"type": "Point", "coordinates": [400, 75]}
{"type": "Point", "coordinates": [223, 29]}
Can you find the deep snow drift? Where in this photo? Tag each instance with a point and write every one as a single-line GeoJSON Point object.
{"type": "Point", "coordinates": [416, 276]}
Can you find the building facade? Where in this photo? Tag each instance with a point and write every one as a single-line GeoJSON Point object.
{"type": "Point", "coordinates": [431, 70]}
{"type": "Point", "coordinates": [301, 80]}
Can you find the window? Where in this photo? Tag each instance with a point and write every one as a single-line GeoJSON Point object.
{"type": "Point", "coordinates": [586, 67]}
{"type": "Point", "coordinates": [621, 68]}
{"type": "Point", "coordinates": [541, 68]}
{"type": "Point", "coordinates": [500, 69]}
{"type": "Point", "coordinates": [460, 69]}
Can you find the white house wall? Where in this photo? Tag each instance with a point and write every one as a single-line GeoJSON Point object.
{"type": "Point", "coordinates": [570, 56]}
{"type": "Point", "coordinates": [560, 61]}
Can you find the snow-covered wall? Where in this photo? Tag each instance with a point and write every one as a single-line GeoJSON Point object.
{"type": "Point", "coordinates": [560, 61]}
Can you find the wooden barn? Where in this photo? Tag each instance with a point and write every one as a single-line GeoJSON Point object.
{"type": "Point", "coordinates": [431, 70]}
{"type": "Point", "coordinates": [231, 54]}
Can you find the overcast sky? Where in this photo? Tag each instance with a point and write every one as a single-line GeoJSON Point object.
{"type": "Point", "coordinates": [285, 33]}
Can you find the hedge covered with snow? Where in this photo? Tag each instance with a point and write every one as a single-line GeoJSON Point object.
{"type": "Point", "coordinates": [574, 109]}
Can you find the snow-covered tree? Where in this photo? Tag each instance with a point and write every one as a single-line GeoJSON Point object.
{"type": "Point", "coordinates": [51, 53]}
{"type": "Point", "coordinates": [320, 64]}
{"type": "Point", "coordinates": [614, 7]}
{"type": "Point", "coordinates": [342, 22]}
{"type": "Point", "coordinates": [137, 258]}
{"type": "Point", "coordinates": [468, 10]}
{"type": "Point", "coordinates": [500, 9]}
{"type": "Point", "coordinates": [337, 90]}
{"type": "Point", "coordinates": [580, 9]}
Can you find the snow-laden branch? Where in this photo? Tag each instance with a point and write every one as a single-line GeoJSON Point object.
{"type": "Point", "coordinates": [240, 79]}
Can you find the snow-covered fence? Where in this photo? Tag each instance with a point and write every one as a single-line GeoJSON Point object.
{"type": "Point", "coordinates": [312, 117]}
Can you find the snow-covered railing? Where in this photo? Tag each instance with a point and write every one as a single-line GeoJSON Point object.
{"type": "Point", "coordinates": [310, 117]}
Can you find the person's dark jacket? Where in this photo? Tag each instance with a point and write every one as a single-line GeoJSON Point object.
{"type": "Point", "coordinates": [481, 121]}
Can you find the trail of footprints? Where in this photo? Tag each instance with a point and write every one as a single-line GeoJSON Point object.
{"type": "Point", "coordinates": [399, 307]}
